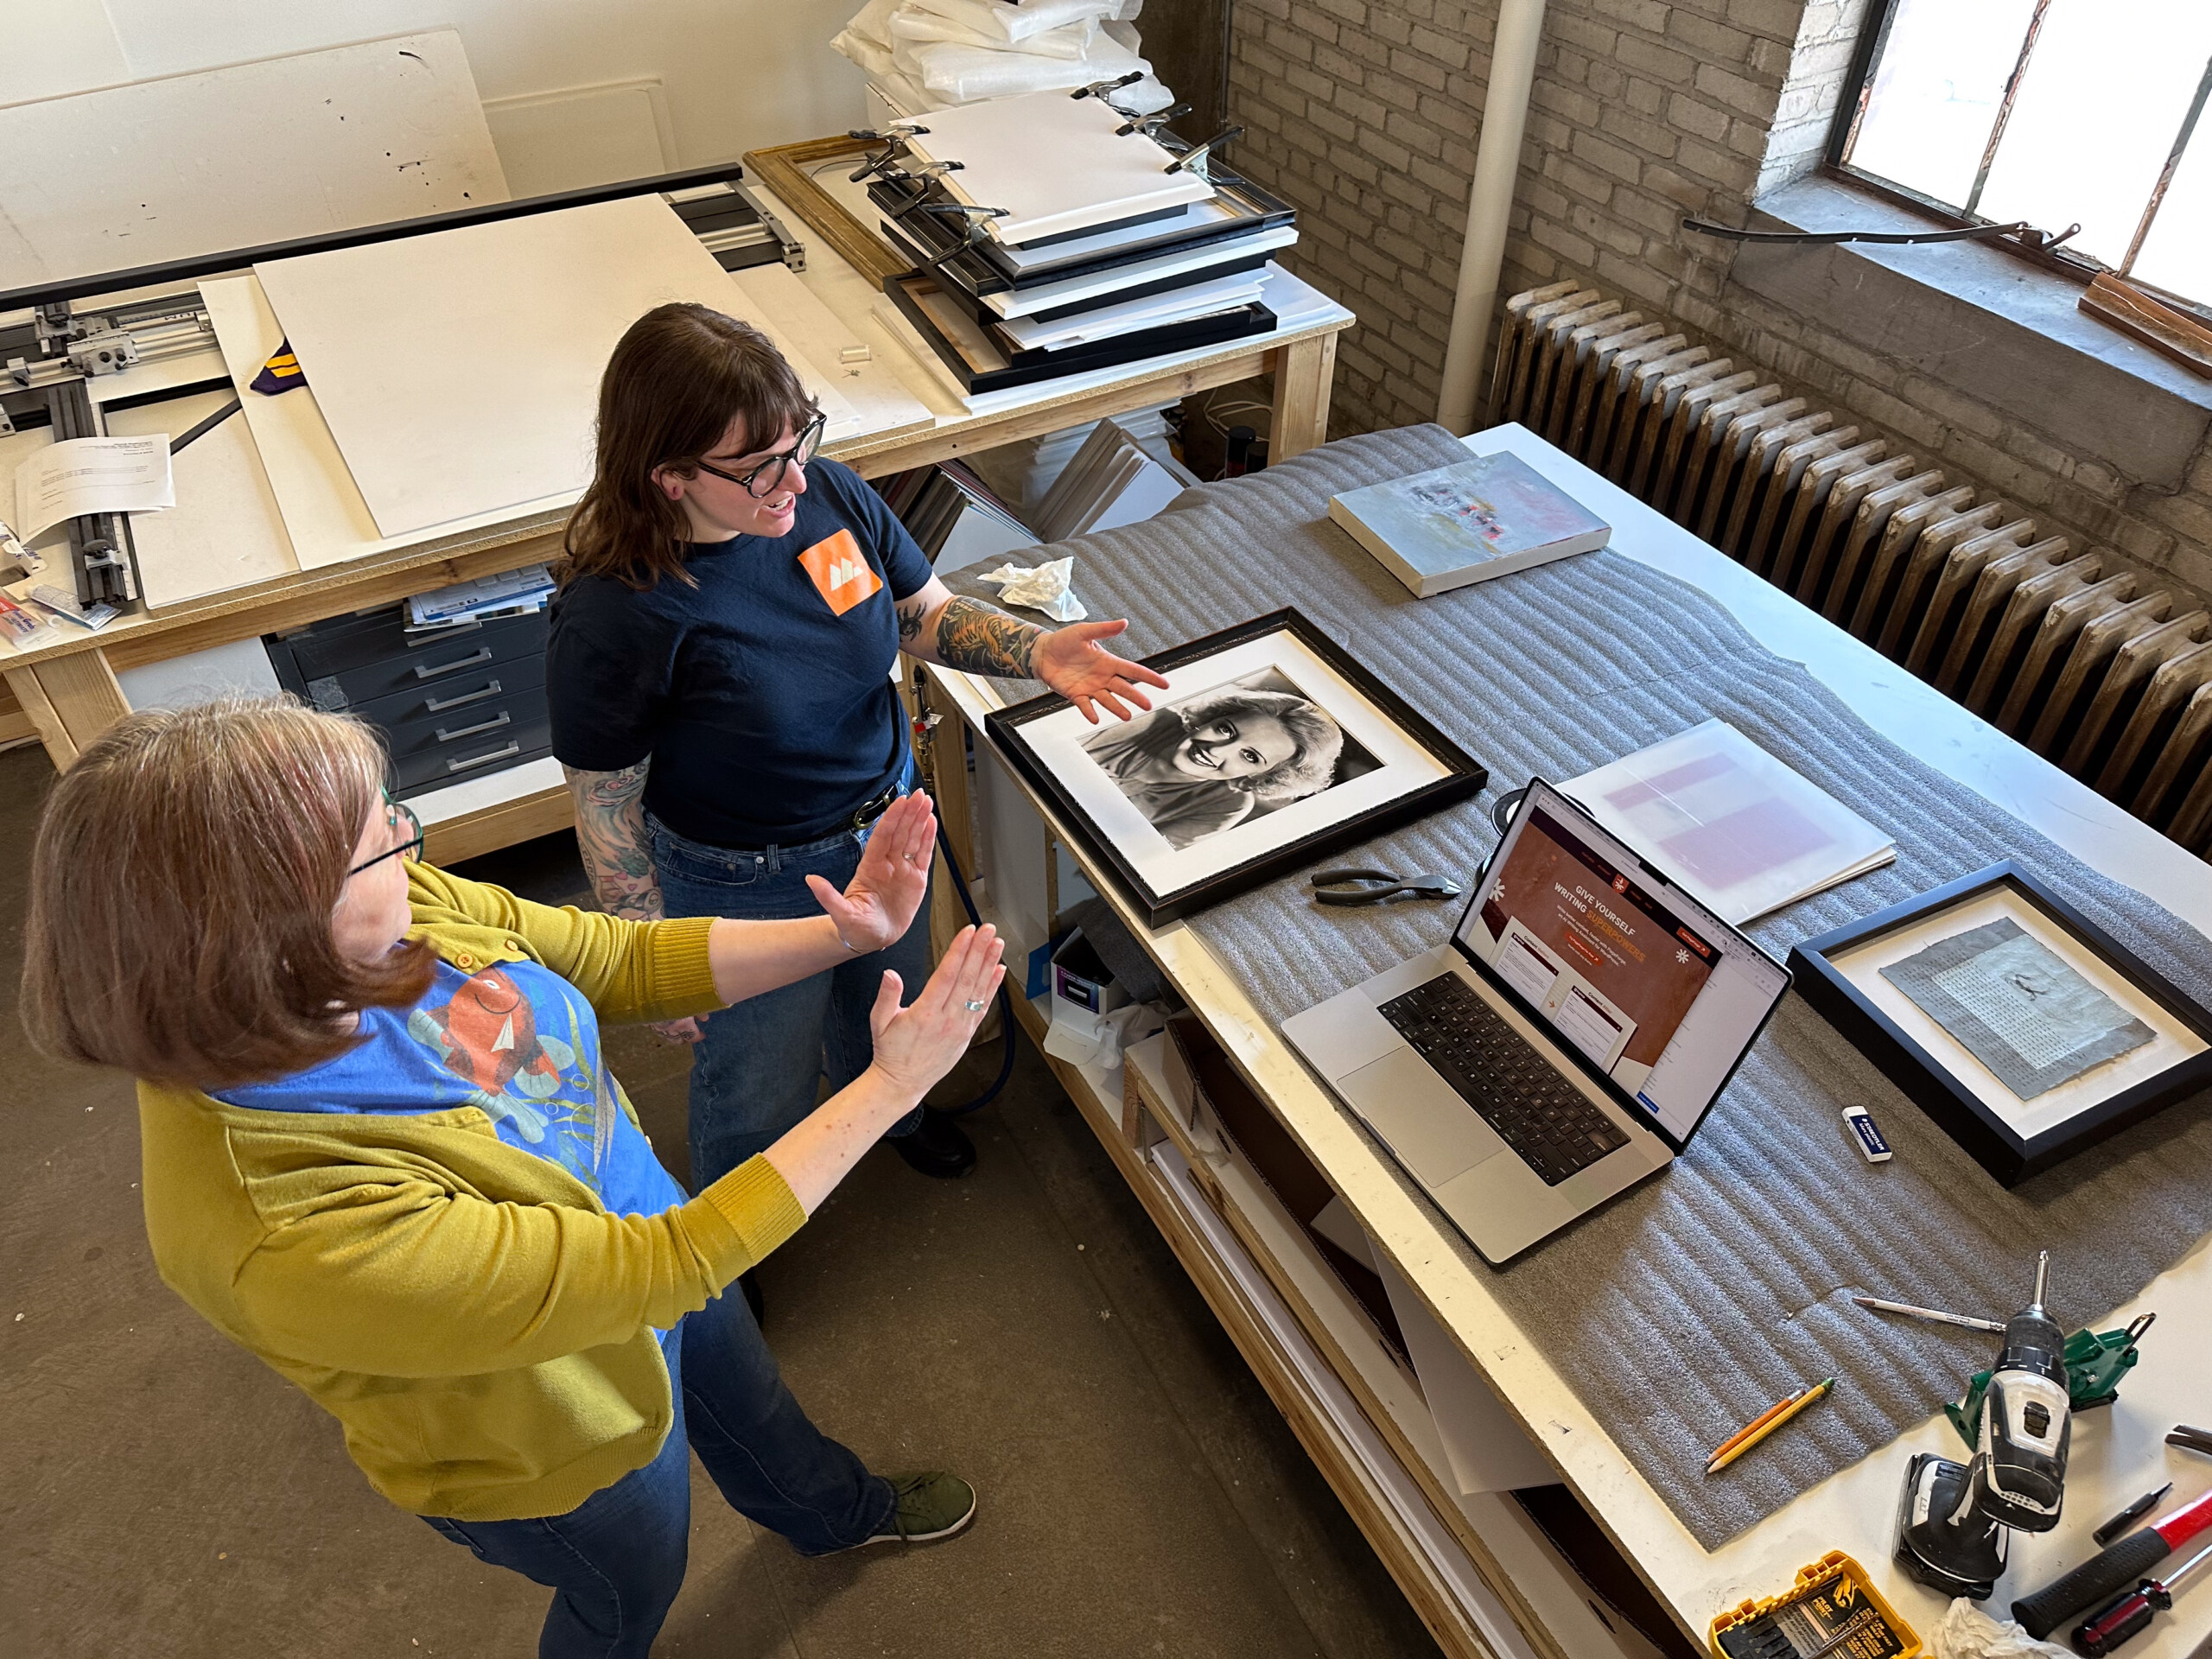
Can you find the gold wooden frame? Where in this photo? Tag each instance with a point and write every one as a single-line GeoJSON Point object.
{"type": "Point", "coordinates": [789, 170]}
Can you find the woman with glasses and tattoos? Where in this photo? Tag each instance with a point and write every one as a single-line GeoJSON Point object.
{"type": "Point", "coordinates": [719, 672]}
{"type": "Point", "coordinates": [383, 1155]}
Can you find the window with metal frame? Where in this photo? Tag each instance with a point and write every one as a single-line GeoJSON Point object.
{"type": "Point", "coordinates": [2080, 117]}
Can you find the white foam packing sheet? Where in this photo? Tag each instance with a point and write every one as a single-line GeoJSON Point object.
{"type": "Point", "coordinates": [1154, 311]}
{"type": "Point", "coordinates": [459, 371]}
{"type": "Point", "coordinates": [225, 530]}
{"type": "Point", "coordinates": [1053, 162]}
{"type": "Point", "coordinates": [1051, 297]}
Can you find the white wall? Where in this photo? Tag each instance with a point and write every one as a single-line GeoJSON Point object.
{"type": "Point", "coordinates": [737, 74]}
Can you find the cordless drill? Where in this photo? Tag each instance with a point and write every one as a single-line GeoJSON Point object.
{"type": "Point", "coordinates": [1953, 1519]}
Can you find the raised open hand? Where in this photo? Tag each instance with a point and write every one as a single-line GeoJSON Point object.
{"type": "Point", "coordinates": [1074, 664]}
{"type": "Point", "coordinates": [915, 1046]}
{"type": "Point", "coordinates": [878, 905]}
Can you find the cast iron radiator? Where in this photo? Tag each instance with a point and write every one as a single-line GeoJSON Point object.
{"type": "Point", "coordinates": [2110, 683]}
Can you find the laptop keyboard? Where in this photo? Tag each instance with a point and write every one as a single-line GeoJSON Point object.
{"type": "Point", "coordinates": [1543, 1117]}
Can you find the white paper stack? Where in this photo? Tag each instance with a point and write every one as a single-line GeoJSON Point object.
{"type": "Point", "coordinates": [1727, 820]}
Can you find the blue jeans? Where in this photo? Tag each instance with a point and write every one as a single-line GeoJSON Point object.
{"type": "Point", "coordinates": [616, 1561]}
{"type": "Point", "coordinates": [759, 1068]}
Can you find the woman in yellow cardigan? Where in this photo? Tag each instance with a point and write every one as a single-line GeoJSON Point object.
{"type": "Point", "coordinates": [382, 1152]}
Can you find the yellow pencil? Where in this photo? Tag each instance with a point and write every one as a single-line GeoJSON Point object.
{"type": "Point", "coordinates": [1818, 1391]}
{"type": "Point", "coordinates": [1757, 1423]}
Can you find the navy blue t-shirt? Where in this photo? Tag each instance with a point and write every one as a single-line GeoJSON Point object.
{"type": "Point", "coordinates": [763, 695]}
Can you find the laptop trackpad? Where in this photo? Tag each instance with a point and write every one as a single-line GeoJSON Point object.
{"type": "Point", "coordinates": [1434, 1132]}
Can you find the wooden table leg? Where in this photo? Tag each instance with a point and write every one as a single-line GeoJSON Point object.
{"type": "Point", "coordinates": [1304, 372]}
{"type": "Point", "coordinates": [71, 700]}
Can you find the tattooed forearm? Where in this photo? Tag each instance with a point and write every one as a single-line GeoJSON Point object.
{"type": "Point", "coordinates": [611, 834]}
{"type": "Point", "coordinates": [979, 639]}
{"type": "Point", "coordinates": [912, 615]}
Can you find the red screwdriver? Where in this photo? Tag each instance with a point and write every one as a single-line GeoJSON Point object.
{"type": "Point", "coordinates": [2130, 1614]}
{"type": "Point", "coordinates": [2114, 1571]}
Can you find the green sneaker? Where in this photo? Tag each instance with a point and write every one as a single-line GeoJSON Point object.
{"type": "Point", "coordinates": [930, 1505]}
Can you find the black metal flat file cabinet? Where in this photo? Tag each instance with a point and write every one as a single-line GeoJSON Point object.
{"type": "Point", "coordinates": [451, 703]}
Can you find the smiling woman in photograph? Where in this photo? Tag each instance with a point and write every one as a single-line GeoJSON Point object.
{"type": "Point", "coordinates": [1200, 767]}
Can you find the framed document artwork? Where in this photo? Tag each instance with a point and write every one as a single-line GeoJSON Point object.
{"type": "Point", "coordinates": [2023, 1030]}
{"type": "Point", "coordinates": [1271, 747]}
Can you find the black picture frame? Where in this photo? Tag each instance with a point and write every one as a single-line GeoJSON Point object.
{"type": "Point", "coordinates": [984, 358]}
{"type": "Point", "coordinates": [2009, 1156]}
{"type": "Point", "coordinates": [1464, 778]}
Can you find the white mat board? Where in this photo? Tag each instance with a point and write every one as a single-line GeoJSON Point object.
{"type": "Point", "coordinates": [235, 157]}
{"type": "Point", "coordinates": [1054, 162]}
{"type": "Point", "coordinates": [459, 371]}
{"type": "Point", "coordinates": [323, 512]}
{"type": "Point", "coordinates": [225, 530]}
{"type": "Point", "coordinates": [776, 299]}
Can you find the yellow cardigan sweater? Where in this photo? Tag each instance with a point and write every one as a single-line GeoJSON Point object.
{"type": "Point", "coordinates": [479, 1324]}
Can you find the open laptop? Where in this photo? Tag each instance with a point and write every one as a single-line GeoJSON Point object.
{"type": "Point", "coordinates": [1564, 1044]}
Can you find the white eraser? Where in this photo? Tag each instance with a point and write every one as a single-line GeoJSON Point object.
{"type": "Point", "coordinates": [1869, 1137]}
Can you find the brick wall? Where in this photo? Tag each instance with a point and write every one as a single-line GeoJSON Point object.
{"type": "Point", "coordinates": [1365, 114]}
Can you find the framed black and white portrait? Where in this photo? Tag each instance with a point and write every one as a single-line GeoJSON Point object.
{"type": "Point", "coordinates": [2022, 1028]}
{"type": "Point", "coordinates": [1272, 747]}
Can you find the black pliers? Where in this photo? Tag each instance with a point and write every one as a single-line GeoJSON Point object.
{"type": "Point", "coordinates": [1352, 887]}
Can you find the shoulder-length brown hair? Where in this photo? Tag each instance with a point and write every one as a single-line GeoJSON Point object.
{"type": "Point", "coordinates": [680, 375]}
{"type": "Point", "coordinates": [182, 884]}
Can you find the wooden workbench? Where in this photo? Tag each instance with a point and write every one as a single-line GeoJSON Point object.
{"type": "Point", "coordinates": [1248, 1261]}
{"type": "Point", "coordinates": [65, 690]}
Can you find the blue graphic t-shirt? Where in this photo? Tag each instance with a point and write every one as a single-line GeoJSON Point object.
{"type": "Point", "coordinates": [517, 1041]}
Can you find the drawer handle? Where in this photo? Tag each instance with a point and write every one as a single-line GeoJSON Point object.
{"type": "Point", "coordinates": [443, 632]}
{"type": "Point", "coordinates": [438, 706]}
{"type": "Point", "coordinates": [484, 759]}
{"type": "Point", "coordinates": [431, 671]}
{"type": "Point", "coordinates": [503, 718]}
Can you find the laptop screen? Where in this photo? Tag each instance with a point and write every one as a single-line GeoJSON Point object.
{"type": "Point", "coordinates": [1656, 992]}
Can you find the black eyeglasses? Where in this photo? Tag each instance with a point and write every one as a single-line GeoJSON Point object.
{"type": "Point", "coordinates": [761, 480]}
{"type": "Point", "coordinates": [398, 819]}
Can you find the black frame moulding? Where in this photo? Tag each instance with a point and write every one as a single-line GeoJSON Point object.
{"type": "Point", "coordinates": [1464, 775]}
{"type": "Point", "coordinates": [1930, 1084]}
{"type": "Point", "coordinates": [1012, 365]}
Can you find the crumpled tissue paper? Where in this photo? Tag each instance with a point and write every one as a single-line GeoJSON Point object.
{"type": "Point", "coordinates": [1965, 1632]}
{"type": "Point", "coordinates": [1045, 589]}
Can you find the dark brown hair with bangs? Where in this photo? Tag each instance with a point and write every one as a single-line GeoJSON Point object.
{"type": "Point", "coordinates": [680, 375]}
{"type": "Point", "coordinates": [183, 882]}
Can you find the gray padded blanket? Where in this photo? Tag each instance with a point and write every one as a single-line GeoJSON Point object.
{"type": "Point", "coordinates": [1685, 1308]}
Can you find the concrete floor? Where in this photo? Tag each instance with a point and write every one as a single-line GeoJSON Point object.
{"type": "Point", "coordinates": [163, 1494]}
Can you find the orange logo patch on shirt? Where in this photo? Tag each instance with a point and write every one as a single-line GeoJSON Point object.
{"type": "Point", "coordinates": [841, 576]}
